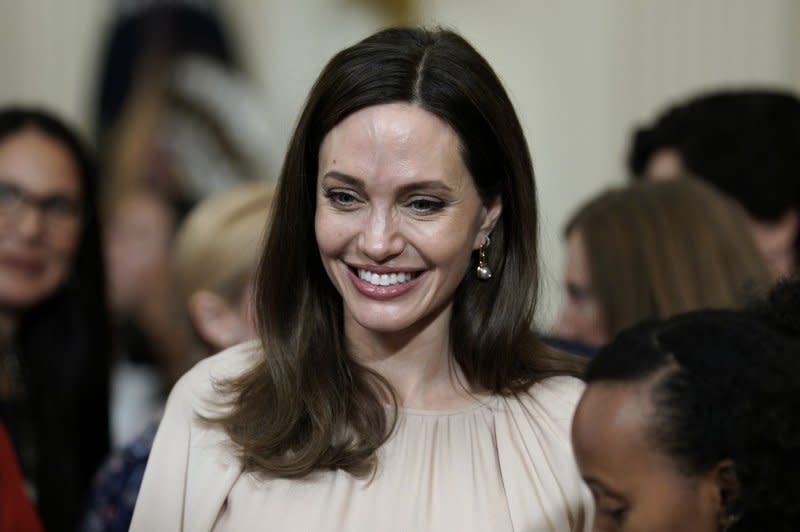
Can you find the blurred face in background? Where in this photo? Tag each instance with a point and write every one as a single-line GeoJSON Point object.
{"type": "Point", "coordinates": [40, 197]}
{"type": "Point", "coordinates": [137, 246]}
{"type": "Point", "coordinates": [581, 317]}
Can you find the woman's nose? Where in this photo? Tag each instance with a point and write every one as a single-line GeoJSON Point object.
{"type": "Point", "coordinates": [381, 238]}
{"type": "Point", "coordinates": [30, 222]}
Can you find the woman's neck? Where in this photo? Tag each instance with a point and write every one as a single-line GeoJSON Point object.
{"type": "Point", "coordinates": [417, 363]}
{"type": "Point", "coordinates": [9, 322]}
{"type": "Point", "coordinates": [8, 327]}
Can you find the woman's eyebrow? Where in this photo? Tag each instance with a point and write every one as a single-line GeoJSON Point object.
{"type": "Point", "coordinates": [344, 178]}
{"type": "Point", "coordinates": [433, 185]}
{"type": "Point", "coordinates": [430, 185]}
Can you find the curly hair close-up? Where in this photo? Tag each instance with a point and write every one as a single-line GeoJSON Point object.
{"type": "Point", "coordinates": [725, 386]}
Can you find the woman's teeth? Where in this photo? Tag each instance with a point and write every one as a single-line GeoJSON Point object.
{"type": "Point", "coordinates": [386, 279]}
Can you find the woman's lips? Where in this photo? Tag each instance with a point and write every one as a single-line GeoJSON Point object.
{"type": "Point", "coordinates": [25, 265]}
{"type": "Point", "coordinates": [379, 292]}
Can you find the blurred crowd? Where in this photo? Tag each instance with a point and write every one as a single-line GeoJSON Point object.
{"type": "Point", "coordinates": [110, 290]}
{"type": "Point", "coordinates": [127, 259]}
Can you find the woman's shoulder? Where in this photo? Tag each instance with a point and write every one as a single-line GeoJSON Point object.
{"type": "Point", "coordinates": [192, 466]}
{"type": "Point", "coordinates": [532, 434]}
{"type": "Point", "coordinates": [548, 403]}
{"type": "Point", "coordinates": [202, 385]}
{"type": "Point", "coordinates": [557, 392]}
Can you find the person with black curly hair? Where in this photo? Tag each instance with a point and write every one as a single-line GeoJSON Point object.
{"type": "Point", "coordinates": [745, 142]}
{"type": "Point", "coordinates": [691, 423]}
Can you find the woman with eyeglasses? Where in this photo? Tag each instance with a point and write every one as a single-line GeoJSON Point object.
{"type": "Point", "coordinates": [53, 320]}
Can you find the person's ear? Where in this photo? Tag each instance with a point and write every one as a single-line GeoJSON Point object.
{"type": "Point", "coordinates": [214, 320]}
{"type": "Point", "coordinates": [728, 489]}
{"type": "Point", "coordinates": [788, 226]}
{"type": "Point", "coordinates": [491, 210]}
{"type": "Point", "coordinates": [776, 241]}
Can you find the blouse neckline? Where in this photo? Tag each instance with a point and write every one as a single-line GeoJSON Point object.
{"type": "Point", "coordinates": [477, 404]}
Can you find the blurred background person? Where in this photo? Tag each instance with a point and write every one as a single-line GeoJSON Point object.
{"type": "Point", "coordinates": [213, 263]}
{"type": "Point", "coordinates": [54, 332]}
{"type": "Point", "coordinates": [691, 423]}
{"type": "Point", "coordinates": [746, 143]}
{"type": "Point", "coordinates": [176, 120]}
{"type": "Point", "coordinates": [174, 109]}
{"type": "Point", "coordinates": [652, 250]}
{"type": "Point", "coordinates": [138, 242]}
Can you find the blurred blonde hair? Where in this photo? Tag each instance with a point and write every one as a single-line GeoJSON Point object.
{"type": "Point", "coordinates": [655, 249]}
{"type": "Point", "coordinates": [218, 245]}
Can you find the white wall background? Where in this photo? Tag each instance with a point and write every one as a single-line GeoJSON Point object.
{"type": "Point", "coordinates": [581, 73]}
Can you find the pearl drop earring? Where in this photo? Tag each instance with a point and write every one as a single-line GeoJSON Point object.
{"type": "Point", "coordinates": [483, 271]}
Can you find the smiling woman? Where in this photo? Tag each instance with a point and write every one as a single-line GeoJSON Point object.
{"type": "Point", "coordinates": [53, 319]}
{"type": "Point", "coordinates": [396, 386]}
{"type": "Point", "coordinates": [39, 198]}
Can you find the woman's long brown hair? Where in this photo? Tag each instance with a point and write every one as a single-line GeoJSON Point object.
{"type": "Point", "coordinates": [656, 249]}
{"type": "Point", "coordinates": [307, 405]}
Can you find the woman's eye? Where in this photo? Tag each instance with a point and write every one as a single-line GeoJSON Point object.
{"type": "Point", "coordinates": [616, 515]}
{"type": "Point", "coordinates": [610, 514]}
{"type": "Point", "coordinates": [60, 206]}
{"type": "Point", "coordinates": [340, 198]}
{"type": "Point", "coordinates": [426, 205]}
{"type": "Point", "coordinates": [578, 294]}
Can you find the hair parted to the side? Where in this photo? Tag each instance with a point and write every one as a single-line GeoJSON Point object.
{"type": "Point", "coordinates": [63, 345]}
{"type": "Point", "coordinates": [308, 405]}
{"type": "Point", "coordinates": [725, 386]}
{"type": "Point", "coordinates": [655, 249]}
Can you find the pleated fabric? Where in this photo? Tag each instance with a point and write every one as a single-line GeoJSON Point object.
{"type": "Point", "coordinates": [499, 464]}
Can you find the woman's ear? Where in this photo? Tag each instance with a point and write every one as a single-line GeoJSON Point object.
{"type": "Point", "coordinates": [214, 320]}
{"type": "Point", "coordinates": [728, 487]}
{"type": "Point", "coordinates": [776, 241]}
{"type": "Point", "coordinates": [492, 208]}
{"type": "Point", "coordinates": [790, 223]}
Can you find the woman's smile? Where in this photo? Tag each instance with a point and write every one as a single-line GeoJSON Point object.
{"type": "Point", "coordinates": [386, 279]}
{"type": "Point", "coordinates": [384, 284]}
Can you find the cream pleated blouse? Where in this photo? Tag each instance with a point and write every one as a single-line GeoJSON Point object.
{"type": "Point", "coordinates": [499, 464]}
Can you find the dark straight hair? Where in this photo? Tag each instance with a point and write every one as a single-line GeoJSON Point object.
{"type": "Point", "coordinates": [307, 404]}
{"type": "Point", "coordinates": [63, 347]}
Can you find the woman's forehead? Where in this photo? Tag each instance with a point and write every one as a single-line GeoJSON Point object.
{"type": "Point", "coordinates": [393, 142]}
{"type": "Point", "coordinates": [38, 163]}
